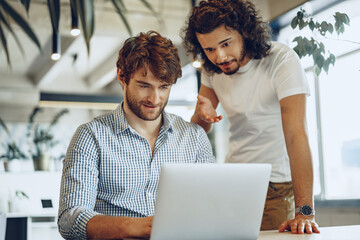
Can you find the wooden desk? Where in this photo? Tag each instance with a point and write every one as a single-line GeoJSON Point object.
{"type": "Point", "coordinates": [326, 233]}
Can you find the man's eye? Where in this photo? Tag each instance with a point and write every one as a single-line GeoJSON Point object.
{"type": "Point", "coordinates": [226, 44]}
{"type": "Point", "coordinates": [164, 87]}
{"type": "Point", "coordinates": [209, 49]}
{"type": "Point", "coordinates": [144, 86]}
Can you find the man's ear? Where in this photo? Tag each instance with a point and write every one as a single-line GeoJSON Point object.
{"type": "Point", "coordinates": [120, 76]}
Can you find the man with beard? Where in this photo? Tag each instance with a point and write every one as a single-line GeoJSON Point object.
{"type": "Point", "coordinates": [262, 88]}
{"type": "Point", "coordinates": [111, 169]}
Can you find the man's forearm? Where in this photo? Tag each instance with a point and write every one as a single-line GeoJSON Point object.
{"type": "Point", "coordinates": [301, 170]}
{"type": "Point", "coordinates": [111, 227]}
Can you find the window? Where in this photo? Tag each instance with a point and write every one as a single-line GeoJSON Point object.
{"type": "Point", "coordinates": [333, 112]}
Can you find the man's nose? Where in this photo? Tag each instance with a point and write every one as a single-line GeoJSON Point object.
{"type": "Point", "coordinates": [154, 96]}
{"type": "Point", "coordinates": [221, 56]}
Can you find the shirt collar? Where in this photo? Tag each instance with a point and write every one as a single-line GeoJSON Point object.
{"type": "Point", "coordinates": [121, 123]}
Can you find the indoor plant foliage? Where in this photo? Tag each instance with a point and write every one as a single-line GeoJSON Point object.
{"type": "Point", "coordinates": [12, 150]}
{"type": "Point", "coordinates": [42, 138]}
{"type": "Point", "coordinates": [314, 46]}
{"type": "Point", "coordinates": [84, 9]}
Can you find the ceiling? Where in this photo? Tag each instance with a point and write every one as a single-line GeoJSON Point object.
{"type": "Point", "coordinates": [78, 72]}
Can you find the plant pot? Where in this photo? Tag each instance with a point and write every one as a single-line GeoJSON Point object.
{"type": "Point", "coordinates": [42, 163]}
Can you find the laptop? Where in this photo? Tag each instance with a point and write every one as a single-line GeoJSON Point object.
{"type": "Point", "coordinates": [210, 201]}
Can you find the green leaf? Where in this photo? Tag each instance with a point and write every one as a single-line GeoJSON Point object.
{"type": "Point", "coordinates": [149, 6]}
{"type": "Point", "coordinates": [302, 24]}
{"type": "Point", "coordinates": [8, 26]}
{"type": "Point", "coordinates": [326, 65]}
{"type": "Point", "coordinates": [21, 22]}
{"type": "Point", "coordinates": [337, 27]}
{"type": "Point", "coordinates": [332, 59]}
{"type": "Point", "coordinates": [4, 44]}
{"type": "Point", "coordinates": [319, 60]}
{"type": "Point", "coordinates": [3, 124]}
{"type": "Point", "coordinates": [344, 18]}
{"type": "Point", "coordinates": [317, 70]}
{"type": "Point", "coordinates": [122, 5]}
{"type": "Point", "coordinates": [294, 22]}
{"type": "Point", "coordinates": [154, 13]}
{"type": "Point", "coordinates": [308, 46]}
{"type": "Point", "coordinates": [324, 27]}
{"type": "Point", "coordinates": [330, 28]}
{"type": "Point", "coordinates": [311, 25]}
{"type": "Point", "coordinates": [86, 13]}
{"type": "Point", "coordinates": [322, 47]}
{"type": "Point", "coordinates": [120, 9]}
{"type": "Point", "coordinates": [300, 48]}
{"type": "Point", "coordinates": [26, 4]}
{"type": "Point", "coordinates": [341, 29]}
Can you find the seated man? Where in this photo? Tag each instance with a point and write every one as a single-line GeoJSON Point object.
{"type": "Point", "coordinates": [111, 169]}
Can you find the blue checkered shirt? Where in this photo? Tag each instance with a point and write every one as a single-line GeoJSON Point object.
{"type": "Point", "coordinates": [109, 168]}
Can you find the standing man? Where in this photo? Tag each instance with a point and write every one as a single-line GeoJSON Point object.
{"type": "Point", "coordinates": [262, 88]}
{"type": "Point", "coordinates": [111, 169]}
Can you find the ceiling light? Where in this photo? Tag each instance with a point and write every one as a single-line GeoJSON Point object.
{"type": "Point", "coordinates": [56, 49]}
{"type": "Point", "coordinates": [75, 32]}
{"type": "Point", "coordinates": [196, 64]}
{"type": "Point", "coordinates": [55, 56]}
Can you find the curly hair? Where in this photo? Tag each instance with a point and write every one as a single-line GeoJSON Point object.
{"type": "Point", "coordinates": [150, 50]}
{"type": "Point", "coordinates": [238, 15]}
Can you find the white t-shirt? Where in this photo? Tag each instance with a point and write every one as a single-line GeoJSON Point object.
{"type": "Point", "coordinates": [250, 98]}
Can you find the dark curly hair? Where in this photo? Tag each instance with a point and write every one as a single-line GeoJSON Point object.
{"type": "Point", "coordinates": [150, 50]}
{"type": "Point", "coordinates": [238, 15]}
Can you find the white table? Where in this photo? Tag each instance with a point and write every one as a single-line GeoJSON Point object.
{"type": "Point", "coordinates": [326, 233]}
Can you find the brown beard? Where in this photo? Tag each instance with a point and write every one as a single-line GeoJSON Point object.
{"type": "Point", "coordinates": [135, 107]}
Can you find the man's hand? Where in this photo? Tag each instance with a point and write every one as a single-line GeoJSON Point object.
{"type": "Point", "coordinates": [207, 113]}
{"type": "Point", "coordinates": [300, 224]}
{"type": "Point", "coordinates": [114, 227]}
{"type": "Point", "coordinates": [140, 227]}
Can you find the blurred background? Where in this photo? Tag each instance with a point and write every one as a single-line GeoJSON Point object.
{"type": "Point", "coordinates": [43, 101]}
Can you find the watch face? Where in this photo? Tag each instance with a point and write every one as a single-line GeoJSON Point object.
{"type": "Point", "coordinates": [306, 210]}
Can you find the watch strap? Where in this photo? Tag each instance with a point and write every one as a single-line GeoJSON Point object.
{"type": "Point", "coordinates": [301, 209]}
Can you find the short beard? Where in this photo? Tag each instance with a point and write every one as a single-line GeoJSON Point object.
{"type": "Point", "coordinates": [135, 107]}
{"type": "Point", "coordinates": [241, 59]}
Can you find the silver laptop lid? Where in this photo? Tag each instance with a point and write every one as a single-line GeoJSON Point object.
{"type": "Point", "coordinates": [210, 201]}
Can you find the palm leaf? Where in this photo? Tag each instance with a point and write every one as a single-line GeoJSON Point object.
{"type": "Point", "coordinates": [56, 118]}
{"type": "Point", "coordinates": [4, 43]}
{"type": "Point", "coordinates": [2, 123]}
{"type": "Point", "coordinates": [149, 6]}
{"type": "Point", "coordinates": [7, 25]}
{"type": "Point", "coordinates": [152, 10]}
{"type": "Point", "coordinates": [121, 2]}
{"type": "Point", "coordinates": [21, 22]}
{"type": "Point", "coordinates": [54, 11]}
{"type": "Point", "coordinates": [26, 4]}
{"type": "Point", "coordinates": [120, 8]}
{"type": "Point", "coordinates": [86, 13]}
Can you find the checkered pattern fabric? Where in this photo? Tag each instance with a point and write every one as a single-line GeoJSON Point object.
{"type": "Point", "coordinates": [109, 168]}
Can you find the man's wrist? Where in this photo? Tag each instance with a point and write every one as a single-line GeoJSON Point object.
{"type": "Point", "coordinates": [305, 210]}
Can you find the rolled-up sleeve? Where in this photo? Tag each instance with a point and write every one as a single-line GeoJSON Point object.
{"type": "Point", "coordinates": [79, 185]}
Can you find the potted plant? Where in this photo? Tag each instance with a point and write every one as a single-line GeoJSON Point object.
{"type": "Point", "coordinates": [12, 153]}
{"type": "Point", "coordinates": [42, 139]}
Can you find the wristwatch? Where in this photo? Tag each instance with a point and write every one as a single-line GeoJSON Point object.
{"type": "Point", "coordinates": [305, 210]}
